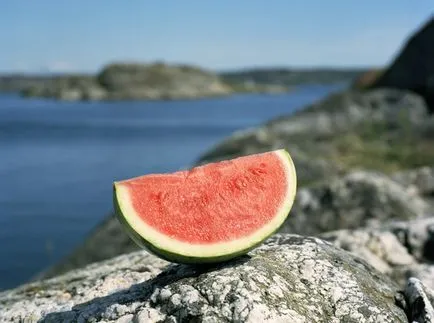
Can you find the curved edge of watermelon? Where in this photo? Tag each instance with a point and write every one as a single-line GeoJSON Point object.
{"type": "Point", "coordinates": [181, 252]}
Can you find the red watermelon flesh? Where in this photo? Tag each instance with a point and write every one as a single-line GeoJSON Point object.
{"type": "Point", "coordinates": [219, 204]}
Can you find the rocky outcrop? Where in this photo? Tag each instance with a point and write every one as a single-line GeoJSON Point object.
{"type": "Point", "coordinates": [403, 251]}
{"type": "Point", "coordinates": [288, 279]}
{"type": "Point", "coordinates": [413, 68]}
{"type": "Point", "coordinates": [400, 249]}
{"type": "Point", "coordinates": [356, 200]}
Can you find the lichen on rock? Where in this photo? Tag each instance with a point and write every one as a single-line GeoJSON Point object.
{"type": "Point", "coordinates": [401, 250]}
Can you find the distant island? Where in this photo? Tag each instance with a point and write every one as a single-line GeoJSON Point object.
{"type": "Point", "coordinates": [160, 81]}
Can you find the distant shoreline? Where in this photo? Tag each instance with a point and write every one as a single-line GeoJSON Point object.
{"type": "Point", "coordinates": [160, 81]}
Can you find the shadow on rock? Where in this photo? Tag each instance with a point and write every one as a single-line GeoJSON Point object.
{"type": "Point", "coordinates": [143, 291]}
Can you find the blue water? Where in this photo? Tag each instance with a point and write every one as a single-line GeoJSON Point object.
{"type": "Point", "coordinates": [58, 161]}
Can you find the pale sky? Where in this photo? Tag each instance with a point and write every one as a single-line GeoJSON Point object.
{"type": "Point", "coordinates": [83, 35]}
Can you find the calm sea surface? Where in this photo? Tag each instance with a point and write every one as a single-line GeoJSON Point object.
{"type": "Point", "coordinates": [58, 161]}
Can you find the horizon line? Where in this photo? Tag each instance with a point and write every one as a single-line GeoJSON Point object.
{"type": "Point", "coordinates": [239, 69]}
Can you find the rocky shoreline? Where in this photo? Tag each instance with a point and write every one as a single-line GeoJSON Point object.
{"type": "Point", "coordinates": [358, 245]}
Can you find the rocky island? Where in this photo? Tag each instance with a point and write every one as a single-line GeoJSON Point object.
{"type": "Point", "coordinates": [357, 246]}
{"type": "Point", "coordinates": [127, 81]}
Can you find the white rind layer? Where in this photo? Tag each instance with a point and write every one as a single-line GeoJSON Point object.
{"type": "Point", "coordinates": [165, 243]}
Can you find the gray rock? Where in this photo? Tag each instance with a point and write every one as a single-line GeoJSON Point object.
{"type": "Point", "coordinates": [355, 200]}
{"type": "Point", "coordinates": [381, 249]}
{"type": "Point", "coordinates": [418, 302]}
{"type": "Point", "coordinates": [288, 279]}
{"type": "Point", "coordinates": [399, 249]}
{"type": "Point", "coordinates": [420, 180]}
{"type": "Point", "coordinates": [337, 112]}
{"type": "Point", "coordinates": [417, 236]}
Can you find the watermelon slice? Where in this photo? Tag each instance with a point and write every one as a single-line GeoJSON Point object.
{"type": "Point", "coordinates": [210, 213]}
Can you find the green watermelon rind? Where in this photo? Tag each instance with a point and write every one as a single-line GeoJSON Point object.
{"type": "Point", "coordinates": [166, 254]}
{"type": "Point", "coordinates": [169, 251]}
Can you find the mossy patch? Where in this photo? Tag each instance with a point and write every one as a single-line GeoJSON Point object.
{"type": "Point", "coordinates": [383, 146]}
{"type": "Point", "coordinates": [378, 147]}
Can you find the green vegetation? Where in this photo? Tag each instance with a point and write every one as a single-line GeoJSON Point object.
{"type": "Point", "coordinates": [376, 146]}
